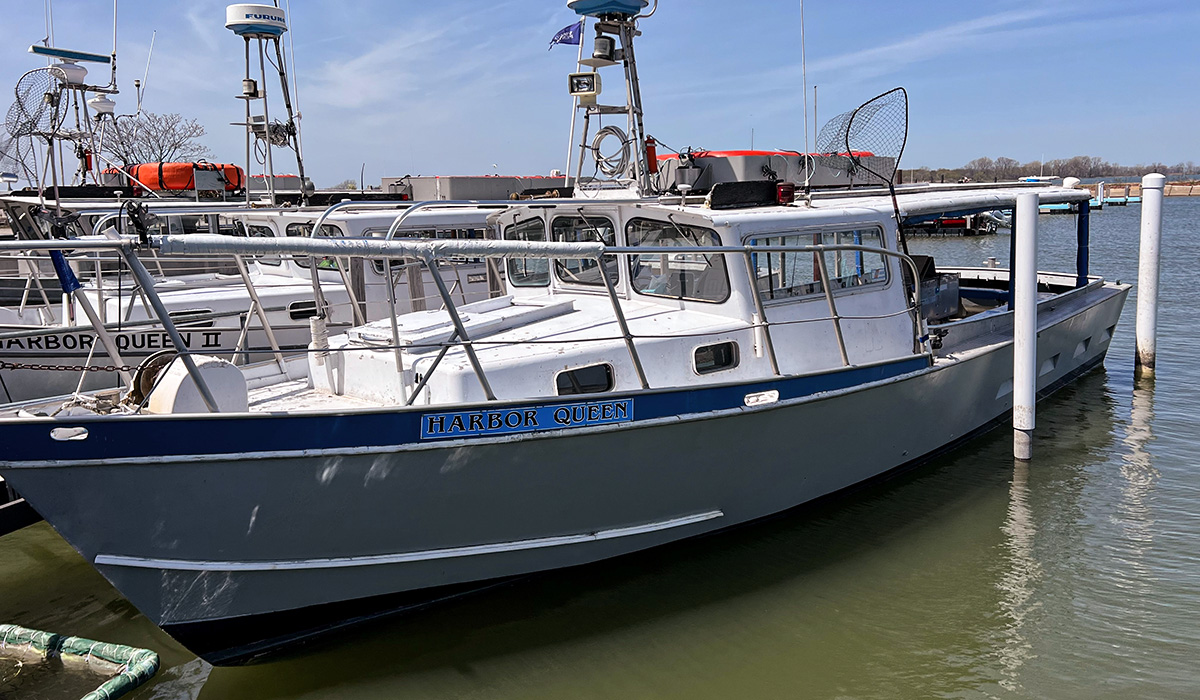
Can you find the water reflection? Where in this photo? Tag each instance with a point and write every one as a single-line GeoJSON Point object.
{"type": "Point", "coordinates": [183, 682]}
{"type": "Point", "coordinates": [1017, 582]}
{"type": "Point", "coordinates": [1140, 479]}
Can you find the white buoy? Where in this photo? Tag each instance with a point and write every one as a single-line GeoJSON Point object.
{"type": "Point", "coordinates": [1148, 257]}
{"type": "Point", "coordinates": [1024, 288]}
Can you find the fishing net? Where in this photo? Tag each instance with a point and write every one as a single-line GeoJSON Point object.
{"type": "Point", "coordinates": [866, 143]}
{"type": "Point", "coordinates": [36, 110]}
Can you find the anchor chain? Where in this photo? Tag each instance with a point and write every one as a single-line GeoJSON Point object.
{"type": "Point", "coordinates": [66, 368]}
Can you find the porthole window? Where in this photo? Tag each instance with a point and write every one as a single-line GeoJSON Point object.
{"type": "Point", "coordinates": [192, 318]}
{"type": "Point", "coordinates": [302, 310]}
{"type": "Point", "coordinates": [593, 379]}
{"type": "Point", "coordinates": [714, 358]}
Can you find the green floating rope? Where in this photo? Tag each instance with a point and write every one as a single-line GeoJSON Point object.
{"type": "Point", "coordinates": [137, 665]}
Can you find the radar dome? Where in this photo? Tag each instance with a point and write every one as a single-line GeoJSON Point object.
{"type": "Point", "coordinates": [255, 20]}
{"type": "Point", "coordinates": [595, 8]}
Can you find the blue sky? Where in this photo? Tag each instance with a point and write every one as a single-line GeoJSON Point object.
{"type": "Point", "coordinates": [453, 87]}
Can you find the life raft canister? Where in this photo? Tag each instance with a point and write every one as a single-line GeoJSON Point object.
{"type": "Point", "coordinates": [180, 176]}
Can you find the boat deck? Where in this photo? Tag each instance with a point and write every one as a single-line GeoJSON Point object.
{"type": "Point", "coordinates": [297, 395]}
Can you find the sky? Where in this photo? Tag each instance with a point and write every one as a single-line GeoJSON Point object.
{"type": "Point", "coordinates": [394, 87]}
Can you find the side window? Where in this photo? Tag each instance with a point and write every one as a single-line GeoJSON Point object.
{"type": "Point", "coordinates": [580, 229]}
{"type": "Point", "coordinates": [678, 275]}
{"type": "Point", "coordinates": [593, 379]}
{"type": "Point", "coordinates": [714, 358]}
{"type": "Point", "coordinates": [327, 231]}
{"type": "Point", "coordinates": [263, 232]}
{"type": "Point", "coordinates": [784, 275]}
{"type": "Point", "coordinates": [527, 272]}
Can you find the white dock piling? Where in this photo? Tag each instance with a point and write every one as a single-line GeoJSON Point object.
{"type": "Point", "coordinates": [1148, 257]}
{"type": "Point", "coordinates": [1024, 289]}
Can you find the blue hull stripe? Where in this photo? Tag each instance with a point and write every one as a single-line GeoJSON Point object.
{"type": "Point", "coordinates": [118, 437]}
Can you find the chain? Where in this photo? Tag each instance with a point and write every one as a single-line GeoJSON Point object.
{"type": "Point", "coordinates": [67, 368]}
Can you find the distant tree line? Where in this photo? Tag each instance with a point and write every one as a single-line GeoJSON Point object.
{"type": "Point", "coordinates": [155, 138]}
{"type": "Point", "coordinates": [989, 170]}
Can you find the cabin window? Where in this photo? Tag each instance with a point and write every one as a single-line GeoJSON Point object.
{"type": "Point", "coordinates": [585, 229]}
{"type": "Point", "coordinates": [380, 266]}
{"type": "Point", "coordinates": [327, 231]}
{"type": "Point", "coordinates": [714, 358]}
{"type": "Point", "coordinates": [593, 379]}
{"type": "Point", "coordinates": [678, 275]}
{"type": "Point", "coordinates": [527, 272]}
{"type": "Point", "coordinates": [260, 232]}
{"type": "Point", "coordinates": [786, 275]}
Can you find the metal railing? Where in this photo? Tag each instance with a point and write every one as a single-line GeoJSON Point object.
{"type": "Point", "coordinates": [428, 252]}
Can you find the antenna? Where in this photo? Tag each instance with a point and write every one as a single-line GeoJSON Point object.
{"type": "Point", "coordinates": [295, 78]}
{"type": "Point", "coordinates": [804, 83]}
{"type": "Point", "coordinates": [574, 99]}
{"type": "Point", "coordinates": [140, 87]}
{"type": "Point", "coordinates": [266, 23]}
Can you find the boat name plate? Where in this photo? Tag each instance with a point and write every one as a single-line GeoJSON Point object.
{"type": "Point", "coordinates": [524, 419]}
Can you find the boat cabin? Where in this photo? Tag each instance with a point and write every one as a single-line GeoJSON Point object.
{"type": "Point", "coordinates": [693, 286]}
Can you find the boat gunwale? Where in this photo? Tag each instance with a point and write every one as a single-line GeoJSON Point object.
{"type": "Point", "coordinates": [752, 386]}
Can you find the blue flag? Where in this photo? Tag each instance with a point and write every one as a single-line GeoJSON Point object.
{"type": "Point", "coordinates": [567, 35]}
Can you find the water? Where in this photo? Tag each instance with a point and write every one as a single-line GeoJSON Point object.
{"type": "Point", "coordinates": [28, 675]}
{"type": "Point", "coordinates": [1077, 576]}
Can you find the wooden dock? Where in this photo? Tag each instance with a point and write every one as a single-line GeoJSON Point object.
{"type": "Point", "coordinates": [1134, 189]}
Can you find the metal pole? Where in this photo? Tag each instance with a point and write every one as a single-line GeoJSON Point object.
{"type": "Point", "coordinates": [1012, 255]}
{"type": "Point", "coordinates": [616, 304]}
{"type": "Point", "coordinates": [1024, 277]}
{"type": "Point", "coordinates": [295, 136]}
{"type": "Point", "coordinates": [106, 340]}
{"type": "Point", "coordinates": [575, 100]}
{"type": "Point", "coordinates": [641, 166]}
{"type": "Point", "coordinates": [1148, 259]}
{"type": "Point", "coordinates": [761, 312]}
{"type": "Point", "coordinates": [260, 312]}
{"type": "Point", "coordinates": [462, 330]}
{"type": "Point", "coordinates": [270, 175]}
{"type": "Point", "coordinates": [391, 296]}
{"type": "Point", "coordinates": [1082, 234]}
{"type": "Point", "coordinates": [837, 323]}
{"type": "Point", "coordinates": [587, 117]}
{"type": "Point", "coordinates": [249, 131]}
{"type": "Point", "coordinates": [147, 284]}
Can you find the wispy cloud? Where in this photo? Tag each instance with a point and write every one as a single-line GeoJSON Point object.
{"type": "Point", "coordinates": [933, 43]}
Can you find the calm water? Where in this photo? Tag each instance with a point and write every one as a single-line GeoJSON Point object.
{"type": "Point", "coordinates": [1077, 576]}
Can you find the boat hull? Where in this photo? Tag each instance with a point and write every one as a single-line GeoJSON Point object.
{"type": "Point", "coordinates": [203, 543]}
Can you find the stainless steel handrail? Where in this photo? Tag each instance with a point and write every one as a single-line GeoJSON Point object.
{"type": "Point", "coordinates": [429, 251]}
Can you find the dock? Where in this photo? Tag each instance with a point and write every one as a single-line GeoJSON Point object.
{"type": "Point", "coordinates": [1131, 192]}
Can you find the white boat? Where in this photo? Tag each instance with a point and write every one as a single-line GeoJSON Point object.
{"type": "Point", "coordinates": [246, 309]}
{"type": "Point", "coordinates": [654, 369]}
